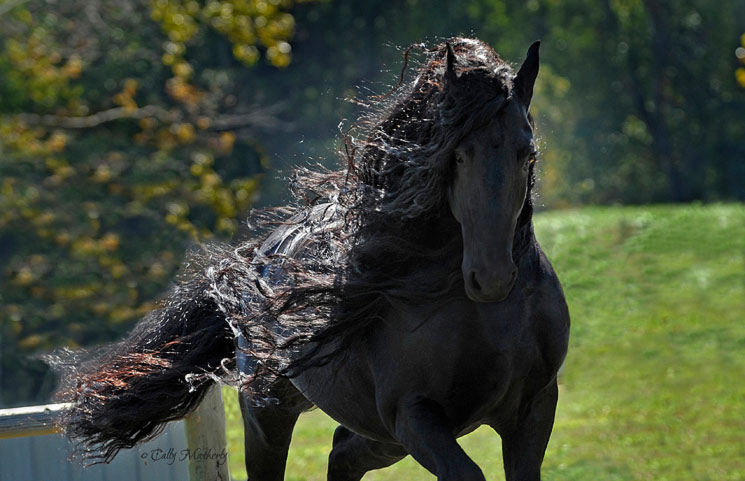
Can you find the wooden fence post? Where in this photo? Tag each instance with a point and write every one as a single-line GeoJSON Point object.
{"type": "Point", "coordinates": [205, 438]}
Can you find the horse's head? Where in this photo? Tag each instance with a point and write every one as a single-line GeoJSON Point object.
{"type": "Point", "coordinates": [491, 169]}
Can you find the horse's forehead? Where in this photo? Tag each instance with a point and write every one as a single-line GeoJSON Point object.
{"type": "Point", "coordinates": [512, 120]}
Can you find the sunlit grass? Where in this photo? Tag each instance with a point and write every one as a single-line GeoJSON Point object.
{"type": "Point", "coordinates": [653, 386]}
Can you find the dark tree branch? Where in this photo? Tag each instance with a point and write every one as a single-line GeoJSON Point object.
{"type": "Point", "coordinates": [258, 119]}
{"type": "Point", "coordinates": [90, 121]}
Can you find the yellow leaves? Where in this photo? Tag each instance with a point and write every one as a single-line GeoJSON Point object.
{"type": "Point", "coordinates": [73, 68]}
{"type": "Point", "coordinates": [130, 87]}
{"type": "Point", "coordinates": [110, 242]}
{"type": "Point", "coordinates": [244, 190]}
{"type": "Point", "coordinates": [75, 292]}
{"type": "Point", "coordinates": [62, 238]}
{"type": "Point", "coordinates": [125, 98]}
{"type": "Point", "coordinates": [279, 54]}
{"type": "Point", "coordinates": [202, 158]}
{"type": "Point", "coordinates": [15, 314]}
{"type": "Point", "coordinates": [23, 15]}
{"type": "Point", "coordinates": [244, 22]}
{"type": "Point", "coordinates": [740, 76]}
{"type": "Point", "coordinates": [203, 123]}
{"type": "Point", "coordinates": [201, 163]}
{"type": "Point", "coordinates": [44, 218]}
{"type": "Point", "coordinates": [24, 276]}
{"type": "Point", "coordinates": [182, 69]}
{"type": "Point", "coordinates": [740, 54]}
{"type": "Point", "coordinates": [225, 224]}
{"type": "Point", "coordinates": [31, 342]}
{"type": "Point", "coordinates": [184, 132]}
{"type": "Point", "coordinates": [196, 170]}
{"type": "Point", "coordinates": [56, 142]}
{"type": "Point", "coordinates": [84, 246]}
{"type": "Point", "coordinates": [31, 271]}
{"type": "Point", "coordinates": [147, 123]}
{"type": "Point", "coordinates": [100, 308]}
{"type": "Point", "coordinates": [125, 313]}
{"type": "Point", "coordinates": [157, 270]}
{"type": "Point", "coordinates": [176, 18]}
{"type": "Point", "coordinates": [248, 54]}
{"type": "Point", "coordinates": [177, 212]}
{"type": "Point", "coordinates": [146, 192]}
{"type": "Point", "coordinates": [40, 69]}
{"type": "Point", "coordinates": [122, 314]}
{"type": "Point", "coordinates": [181, 91]}
{"type": "Point", "coordinates": [210, 179]}
{"type": "Point", "coordinates": [118, 270]}
{"type": "Point", "coordinates": [101, 174]}
{"type": "Point", "coordinates": [176, 49]}
{"type": "Point", "coordinates": [60, 173]}
{"type": "Point", "coordinates": [178, 208]}
{"type": "Point", "coordinates": [226, 142]}
{"type": "Point", "coordinates": [19, 137]}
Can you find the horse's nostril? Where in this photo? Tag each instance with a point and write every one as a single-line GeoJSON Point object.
{"type": "Point", "coordinates": [475, 283]}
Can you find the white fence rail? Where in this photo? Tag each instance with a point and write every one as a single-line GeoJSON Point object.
{"type": "Point", "coordinates": [194, 449]}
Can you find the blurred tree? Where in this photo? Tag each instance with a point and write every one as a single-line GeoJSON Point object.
{"type": "Point", "coordinates": [127, 132]}
{"type": "Point", "coordinates": [625, 101]}
{"type": "Point", "coordinates": [649, 78]}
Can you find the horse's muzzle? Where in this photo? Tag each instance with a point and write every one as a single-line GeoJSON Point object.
{"type": "Point", "coordinates": [489, 286]}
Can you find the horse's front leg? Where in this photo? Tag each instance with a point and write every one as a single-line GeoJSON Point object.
{"type": "Point", "coordinates": [524, 444]}
{"type": "Point", "coordinates": [268, 430]}
{"type": "Point", "coordinates": [354, 455]}
{"type": "Point", "coordinates": [422, 427]}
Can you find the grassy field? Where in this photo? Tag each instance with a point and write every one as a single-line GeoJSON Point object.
{"type": "Point", "coordinates": [654, 384]}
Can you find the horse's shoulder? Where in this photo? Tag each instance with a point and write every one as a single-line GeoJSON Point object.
{"type": "Point", "coordinates": [549, 310]}
{"type": "Point", "coordinates": [545, 280]}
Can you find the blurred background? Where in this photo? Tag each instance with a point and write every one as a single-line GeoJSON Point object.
{"type": "Point", "coordinates": [131, 130]}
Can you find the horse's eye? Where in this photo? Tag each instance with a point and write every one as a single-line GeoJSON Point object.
{"type": "Point", "coordinates": [459, 158]}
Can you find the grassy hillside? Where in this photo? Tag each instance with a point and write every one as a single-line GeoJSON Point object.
{"type": "Point", "coordinates": [654, 385]}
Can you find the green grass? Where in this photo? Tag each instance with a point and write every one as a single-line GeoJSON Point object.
{"type": "Point", "coordinates": [654, 384]}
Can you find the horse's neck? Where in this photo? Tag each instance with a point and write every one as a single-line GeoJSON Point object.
{"type": "Point", "coordinates": [524, 238]}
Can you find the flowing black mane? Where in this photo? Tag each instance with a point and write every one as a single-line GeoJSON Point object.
{"type": "Point", "coordinates": [368, 231]}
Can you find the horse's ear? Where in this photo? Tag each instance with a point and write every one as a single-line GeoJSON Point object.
{"type": "Point", "coordinates": [525, 79]}
{"type": "Point", "coordinates": [450, 76]}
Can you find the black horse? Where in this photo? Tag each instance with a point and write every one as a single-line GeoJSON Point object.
{"type": "Point", "coordinates": [405, 295]}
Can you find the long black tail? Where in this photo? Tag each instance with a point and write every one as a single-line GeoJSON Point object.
{"type": "Point", "coordinates": [125, 393]}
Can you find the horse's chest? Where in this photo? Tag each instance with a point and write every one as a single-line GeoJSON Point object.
{"type": "Point", "coordinates": [465, 358]}
{"type": "Point", "coordinates": [472, 359]}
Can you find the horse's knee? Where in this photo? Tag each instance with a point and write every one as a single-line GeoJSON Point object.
{"type": "Point", "coordinates": [463, 472]}
{"type": "Point", "coordinates": [342, 455]}
{"type": "Point", "coordinates": [352, 456]}
{"type": "Point", "coordinates": [341, 466]}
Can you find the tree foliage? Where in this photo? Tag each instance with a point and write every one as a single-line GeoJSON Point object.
{"type": "Point", "coordinates": [636, 100]}
{"type": "Point", "coordinates": [126, 133]}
